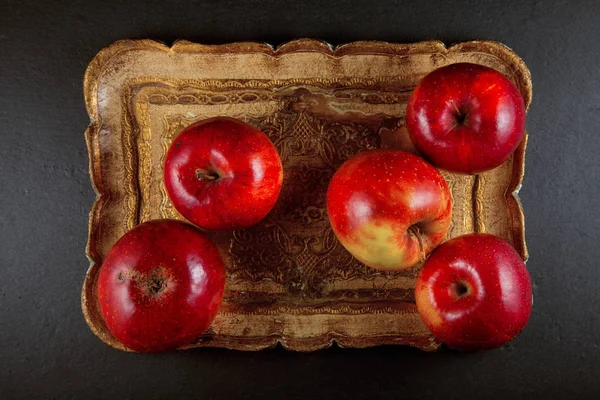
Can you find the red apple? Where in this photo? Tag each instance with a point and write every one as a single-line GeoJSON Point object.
{"type": "Point", "coordinates": [222, 173]}
{"type": "Point", "coordinates": [160, 286]}
{"type": "Point", "coordinates": [389, 208]}
{"type": "Point", "coordinates": [466, 118]}
{"type": "Point", "coordinates": [474, 292]}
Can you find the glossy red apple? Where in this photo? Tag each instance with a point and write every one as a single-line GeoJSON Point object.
{"type": "Point", "coordinates": [222, 173]}
{"type": "Point", "coordinates": [466, 118]}
{"type": "Point", "coordinates": [389, 208]}
{"type": "Point", "coordinates": [160, 286]}
{"type": "Point", "coordinates": [474, 292]}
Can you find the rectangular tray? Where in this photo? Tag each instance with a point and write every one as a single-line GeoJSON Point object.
{"type": "Point", "coordinates": [289, 281]}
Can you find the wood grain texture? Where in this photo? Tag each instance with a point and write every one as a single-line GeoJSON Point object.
{"type": "Point", "coordinates": [289, 280]}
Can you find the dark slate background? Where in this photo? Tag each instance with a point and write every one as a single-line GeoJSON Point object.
{"type": "Point", "coordinates": [46, 349]}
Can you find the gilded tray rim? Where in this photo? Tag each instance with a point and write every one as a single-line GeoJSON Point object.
{"type": "Point", "coordinates": [104, 56]}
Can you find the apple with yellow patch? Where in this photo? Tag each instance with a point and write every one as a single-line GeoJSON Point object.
{"type": "Point", "coordinates": [389, 208]}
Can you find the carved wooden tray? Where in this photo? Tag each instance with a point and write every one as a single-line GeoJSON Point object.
{"type": "Point", "coordinates": [289, 280]}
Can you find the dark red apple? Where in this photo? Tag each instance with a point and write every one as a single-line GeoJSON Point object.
{"type": "Point", "coordinates": [474, 292]}
{"type": "Point", "coordinates": [222, 173]}
{"type": "Point", "coordinates": [466, 118]}
{"type": "Point", "coordinates": [160, 286]}
{"type": "Point", "coordinates": [389, 208]}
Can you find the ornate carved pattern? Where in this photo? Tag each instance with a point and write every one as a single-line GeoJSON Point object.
{"type": "Point", "coordinates": [478, 188]}
{"type": "Point", "coordinates": [339, 309]}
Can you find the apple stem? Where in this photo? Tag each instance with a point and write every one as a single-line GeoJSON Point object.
{"type": "Point", "coordinates": [415, 231]}
{"type": "Point", "coordinates": [460, 116]}
{"type": "Point", "coordinates": [206, 175]}
{"type": "Point", "coordinates": [455, 107]}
